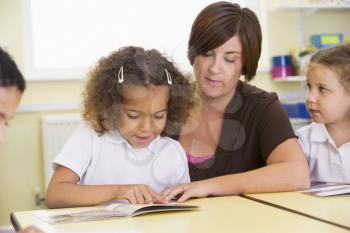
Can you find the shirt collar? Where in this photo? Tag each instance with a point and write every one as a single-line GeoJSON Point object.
{"type": "Point", "coordinates": [116, 138]}
{"type": "Point", "coordinates": [320, 133]}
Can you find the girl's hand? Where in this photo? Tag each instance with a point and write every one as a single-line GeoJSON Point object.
{"type": "Point", "coordinates": [137, 194]}
{"type": "Point", "coordinates": [186, 191]}
{"type": "Point", "coordinates": [30, 229]}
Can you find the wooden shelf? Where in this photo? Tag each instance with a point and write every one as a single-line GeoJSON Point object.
{"type": "Point", "coordinates": [309, 6]}
{"type": "Point", "coordinates": [290, 79]}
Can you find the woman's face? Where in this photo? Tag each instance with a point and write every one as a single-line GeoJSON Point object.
{"type": "Point", "coordinates": [218, 70]}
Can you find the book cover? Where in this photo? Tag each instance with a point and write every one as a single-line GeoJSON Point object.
{"type": "Point", "coordinates": [111, 211]}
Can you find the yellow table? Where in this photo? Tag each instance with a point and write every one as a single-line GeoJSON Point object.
{"type": "Point", "coordinates": [335, 210]}
{"type": "Point", "coordinates": [219, 214]}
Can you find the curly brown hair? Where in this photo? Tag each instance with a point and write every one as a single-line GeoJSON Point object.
{"type": "Point", "coordinates": [141, 67]}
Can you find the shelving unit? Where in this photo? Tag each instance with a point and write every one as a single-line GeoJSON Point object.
{"type": "Point", "coordinates": [306, 10]}
{"type": "Point", "coordinates": [290, 79]}
{"type": "Point", "coordinates": [308, 6]}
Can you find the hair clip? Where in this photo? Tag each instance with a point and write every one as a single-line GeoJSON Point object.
{"type": "Point", "coordinates": [170, 81]}
{"type": "Point", "coordinates": [121, 75]}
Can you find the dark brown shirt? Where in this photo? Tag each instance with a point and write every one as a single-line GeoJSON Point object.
{"type": "Point", "coordinates": [254, 125]}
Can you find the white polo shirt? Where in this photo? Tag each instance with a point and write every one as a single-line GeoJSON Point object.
{"type": "Point", "coordinates": [327, 162]}
{"type": "Point", "coordinates": [110, 159]}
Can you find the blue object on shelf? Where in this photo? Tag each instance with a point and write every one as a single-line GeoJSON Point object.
{"type": "Point", "coordinates": [283, 60]}
{"type": "Point", "coordinates": [321, 41]}
{"type": "Point", "coordinates": [296, 110]}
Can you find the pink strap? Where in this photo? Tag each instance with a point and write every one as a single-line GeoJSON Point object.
{"type": "Point", "coordinates": [198, 159]}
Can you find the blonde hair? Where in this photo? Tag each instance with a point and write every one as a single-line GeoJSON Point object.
{"type": "Point", "coordinates": [337, 59]}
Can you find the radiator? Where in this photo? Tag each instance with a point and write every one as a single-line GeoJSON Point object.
{"type": "Point", "coordinates": [56, 129]}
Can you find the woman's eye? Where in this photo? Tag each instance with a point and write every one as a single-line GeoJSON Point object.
{"type": "Point", "coordinates": [230, 60]}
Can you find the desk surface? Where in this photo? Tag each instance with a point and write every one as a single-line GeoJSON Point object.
{"type": "Point", "coordinates": [332, 209]}
{"type": "Point", "coordinates": [219, 214]}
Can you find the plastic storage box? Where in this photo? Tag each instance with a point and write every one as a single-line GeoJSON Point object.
{"type": "Point", "coordinates": [296, 110]}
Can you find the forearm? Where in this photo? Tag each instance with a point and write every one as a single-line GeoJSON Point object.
{"type": "Point", "coordinates": [72, 195]}
{"type": "Point", "coordinates": [276, 177]}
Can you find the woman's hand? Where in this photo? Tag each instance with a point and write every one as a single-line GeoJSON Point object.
{"type": "Point", "coordinates": [138, 194]}
{"type": "Point", "coordinates": [186, 191]}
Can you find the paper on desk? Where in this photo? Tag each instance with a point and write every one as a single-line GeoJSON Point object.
{"type": "Point", "coordinates": [328, 189]}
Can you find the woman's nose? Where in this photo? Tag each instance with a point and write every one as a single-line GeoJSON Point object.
{"type": "Point", "coordinates": [215, 66]}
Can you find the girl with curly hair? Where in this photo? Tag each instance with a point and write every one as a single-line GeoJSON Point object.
{"type": "Point", "coordinates": [133, 99]}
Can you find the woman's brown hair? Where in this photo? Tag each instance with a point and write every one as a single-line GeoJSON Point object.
{"type": "Point", "coordinates": [219, 22]}
{"type": "Point", "coordinates": [103, 92]}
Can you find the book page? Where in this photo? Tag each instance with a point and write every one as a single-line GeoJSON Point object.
{"type": "Point", "coordinates": [111, 211]}
{"type": "Point", "coordinates": [69, 216]}
{"type": "Point", "coordinates": [328, 189]}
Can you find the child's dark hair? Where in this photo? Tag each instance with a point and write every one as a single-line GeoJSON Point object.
{"type": "Point", "coordinates": [336, 58]}
{"type": "Point", "coordinates": [141, 67]}
{"type": "Point", "coordinates": [9, 72]}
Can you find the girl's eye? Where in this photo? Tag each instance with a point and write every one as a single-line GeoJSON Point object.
{"type": "Point", "coordinates": [7, 124]}
{"type": "Point", "coordinates": [131, 116]}
{"type": "Point", "coordinates": [159, 116]}
{"type": "Point", "coordinates": [321, 89]}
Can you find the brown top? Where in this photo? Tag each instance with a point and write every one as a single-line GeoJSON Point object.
{"type": "Point", "coordinates": [254, 125]}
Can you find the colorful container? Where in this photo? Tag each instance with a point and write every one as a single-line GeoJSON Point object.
{"type": "Point", "coordinates": [296, 110]}
{"type": "Point", "coordinates": [282, 66]}
{"type": "Point", "coordinates": [321, 41]}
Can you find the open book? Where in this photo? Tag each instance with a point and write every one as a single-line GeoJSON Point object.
{"type": "Point", "coordinates": [110, 211]}
{"type": "Point", "coordinates": [328, 189]}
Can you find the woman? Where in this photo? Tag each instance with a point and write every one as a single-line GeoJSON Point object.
{"type": "Point", "coordinates": [240, 139]}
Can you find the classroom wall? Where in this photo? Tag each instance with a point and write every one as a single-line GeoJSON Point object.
{"type": "Point", "coordinates": [21, 165]}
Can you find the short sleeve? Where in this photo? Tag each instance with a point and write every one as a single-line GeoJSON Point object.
{"type": "Point", "coordinates": [304, 141]}
{"type": "Point", "coordinates": [273, 127]}
{"type": "Point", "coordinates": [76, 154]}
{"type": "Point", "coordinates": [181, 172]}
{"type": "Point", "coordinates": [170, 166]}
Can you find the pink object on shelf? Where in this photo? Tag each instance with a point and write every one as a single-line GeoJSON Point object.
{"type": "Point", "coordinates": [282, 71]}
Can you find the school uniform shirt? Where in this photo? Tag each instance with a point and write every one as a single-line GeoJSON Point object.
{"type": "Point", "coordinates": [110, 159]}
{"type": "Point", "coordinates": [327, 162]}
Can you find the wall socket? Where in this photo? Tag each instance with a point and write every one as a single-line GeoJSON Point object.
{"type": "Point", "coordinates": [38, 198]}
